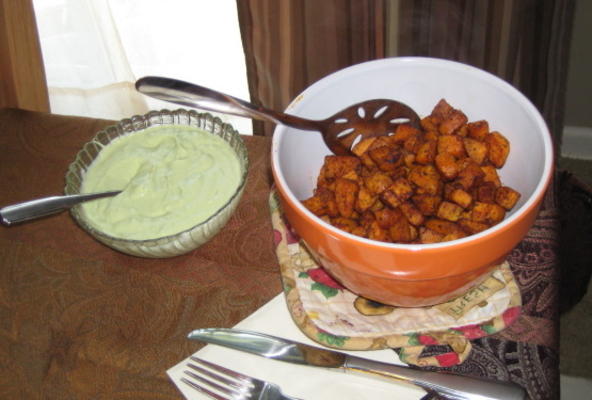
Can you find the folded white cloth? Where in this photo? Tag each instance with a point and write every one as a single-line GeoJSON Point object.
{"type": "Point", "coordinates": [308, 383]}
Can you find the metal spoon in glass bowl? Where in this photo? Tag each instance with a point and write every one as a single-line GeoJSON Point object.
{"type": "Point", "coordinates": [341, 132]}
{"type": "Point", "coordinates": [37, 208]}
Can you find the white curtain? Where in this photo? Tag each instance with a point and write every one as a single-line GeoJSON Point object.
{"type": "Point", "coordinates": [94, 50]}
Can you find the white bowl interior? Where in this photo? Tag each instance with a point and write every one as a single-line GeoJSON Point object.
{"type": "Point", "coordinates": [420, 83]}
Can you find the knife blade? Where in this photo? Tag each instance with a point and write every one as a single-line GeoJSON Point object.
{"type": "Point", "coordinates": [449, 385]}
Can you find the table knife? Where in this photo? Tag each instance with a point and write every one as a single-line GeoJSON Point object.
{"type": "Point", "coordinates": [451, 386]}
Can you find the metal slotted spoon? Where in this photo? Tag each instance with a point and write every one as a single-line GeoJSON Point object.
{"type": "Point", "coordinates": [340, 132]}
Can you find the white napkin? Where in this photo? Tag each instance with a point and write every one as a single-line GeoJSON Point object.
{"type": "Point", "coordinates": [304, 382]}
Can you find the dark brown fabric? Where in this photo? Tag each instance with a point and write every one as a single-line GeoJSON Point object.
{"type": "Point", "coordinates": [525, 42]}
{"type": "Point", "coordinates": [291, 44]}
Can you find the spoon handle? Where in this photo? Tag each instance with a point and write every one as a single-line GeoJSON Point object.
{"type": "Point", "coordinates": [192, 95]}
{"type": "Point", "coordinates": [45, 206]}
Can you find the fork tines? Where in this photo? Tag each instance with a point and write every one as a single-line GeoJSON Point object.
{"type": "Point", "coordinates": [226, 382]}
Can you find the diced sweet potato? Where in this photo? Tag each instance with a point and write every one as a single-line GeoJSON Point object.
{"type": "Point", "coordinates": [387, 217]}
{"type": "Point", "coordinates": [403, 231]}
{"type": "Point", "coordinates": [375, 232]}
{"type": "Point", "coordinates": [402, 188]}
{"type": "Point", "coordinates": [453, 121]}
{"type": "Point", "coordinates": [378, 182]}
{"type": "Point", "coordinates": [470, 173]}
{"type": "Point", "coordinates": [346, 224]}
{"type": "Point", "coordinates": [490, 175]}
{"type": "Point", "coordinates": [426, 177]}
{"type": "Point", "coordinates": [476, 149]}
{"type": "Point", "coordinates": [486, 192]}
{"type": "Point", "coordinates": [404, 132]}
{"type": "Point", "coordinates": [386, 158]}
{"type": "Point", "coordinates": [506, 197]}
{"type": "Point", "coordinates": [336, 166]}
{"type": "Point", "coordinates": [363, 145]}
{"type": "Point", "coordinates": [441, 111]}
{"type": "Point", "coordinates": [412, 144]}
{"type": "Point", "coordinates": [472, 227]}
{"type": "Point", "coordinates": [328, 198]}
{"type": "Point", "coordinates": [478, 129]}
{"type": "Point", "coordinates": [427, 235]}
{"type": "Point", "coordinates": [443, 227]}
{"type": "Point", "coordinates": [451, 144]}
{"type": "Point", "coordinates": [447, 165]}
{"type": "Point", "coordinates": [449, 211]}
{"type": "Point", "coordinates": [427, 204]}
{"type": "Point", "coordinates": [460, 197]}
{"type": "Point", "coordinates": [412, 213]}
{"type": "Point", "coordinates": [487, 213]}
{"type": "Point", "coordinates": [346, 193]}
{"type": "Point", "coordinates": [426, 152]}
{"type": "Point", "coordinates": [429, 124]}
{"type": "Point", "coordinates": [315, 205]}
{"type": "Point", "coordinates": [499, 148]}
{"type": "Point", "coordinates": [389, 198]}
{"type": "Point", "coordinates": [365, 199]}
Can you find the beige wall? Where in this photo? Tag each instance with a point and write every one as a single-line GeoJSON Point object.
{"type": "Point", "coordinates": [579, 85]}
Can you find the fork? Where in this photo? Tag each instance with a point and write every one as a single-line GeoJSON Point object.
{"type": "Point", "coordinates": [204, 376]}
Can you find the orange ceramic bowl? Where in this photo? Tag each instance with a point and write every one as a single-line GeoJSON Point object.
{"type": "Point", "coordinates": [413, 275]}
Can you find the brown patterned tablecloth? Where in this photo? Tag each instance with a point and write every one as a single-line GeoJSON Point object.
{"type": "Point", "coordinates": [78, 320]}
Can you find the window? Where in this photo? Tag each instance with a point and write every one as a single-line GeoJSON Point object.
{"type": "Point", "coordinates": [94, 50]}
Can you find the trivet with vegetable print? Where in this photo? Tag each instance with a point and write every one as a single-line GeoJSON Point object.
{"type": "Point", "coordinates": [333, 316]}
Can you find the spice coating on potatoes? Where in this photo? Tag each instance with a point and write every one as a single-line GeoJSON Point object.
{"type": "Point", "coordinates": [427, 185]}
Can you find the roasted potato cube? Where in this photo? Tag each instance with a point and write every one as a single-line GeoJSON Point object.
{"type": "Point", "coordinates": [490, 175]}
{"type": "Point", "coordinates": [478, 129]}
{"type": "Point", "coordinates": [449, 211]}
{"type": "Point", "coordinates": [412, 213]}
{"type": "Point", "coordinates": [347, 224]}
{"type": "Point", "coordinates": [363, 145]}
{"type": "Point", "coordinates": [441, 111]}
{"type": "Point", "coordinates": [426, 177]}
{"type": "Point", "coordinates": [487, 213]}
{"type": "Point", "coordinates": [447, 165]}
{"type": "Point", "coordinates": [427, 235]}
{"type": "Point", "coordinates": [404, 132]}
{"type": "Point", "coordinates": [402, 188]}
{"type": "Point", "coordinates": [328, 197]}
{"type": "Point", "coordinates": [453, 121]}
{"type": "Point", "coordinates": [476, 149]}
{"type": "Point", "coordinates": [453, 236]}
{"type": "Point", "coordinates": [387, 217]}
{"type": "Point", "coordinates": [412, 144]}
{"type": "Point", "coordinates": [506, 197]}
{"type": "Point", "coordinates": [335, 167]}
{"type": "Point", "coordinates": [443, 227]}
{"type": "Point", "coordinates": [346, 193]}
{"type": "Point", "coordinates": [486, 192]}
{"type": "Point", "coordinates": [470, 174]}
{"type": "Point", "coordinates": [375, 232]}
{"type": "Point", "coordinates": [315, 205]}
{"type": "Point", "coordinates": [472, 227]}
{"type": "Point", "coordinates": [390, 198]}
{"type": "Point", "coordinates": [378, 182]}
{"type": "Point", "coordinates": [426, 152]}
{"type": "Point", "coordinates": [429, 124]}
{"type": "Point", "coordinates": [459, 196]}
{"type": "Point", "coordinates": [451, 144]}
{"type": "Point", "coordinates": [365, 199]}
{"type": "Point", "coordinates": [386, 158]}
{"type": "Point", "coordinates": [403, 231]}
{"type": "Point", "coordinates": [426, 204]}
{"type": "Point", "coordinates": [499, 148]}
